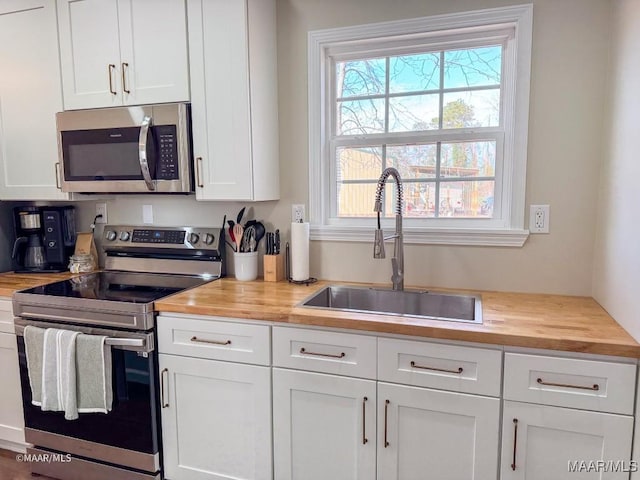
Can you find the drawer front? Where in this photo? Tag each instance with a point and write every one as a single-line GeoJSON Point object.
{"type": "Point", "coordinates": [213, 339]}
{"type": "Point", "coordinates": [567, 382]}
{"type": "Point", "coordinates": [327, 352]}
{"type": "Point", "coordinates": [446, 367]}
{"type": "Point", "coordinates": [6, 315]}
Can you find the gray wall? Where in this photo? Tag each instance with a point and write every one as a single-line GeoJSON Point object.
{"type": "Point", "coordinates": [569, 71]}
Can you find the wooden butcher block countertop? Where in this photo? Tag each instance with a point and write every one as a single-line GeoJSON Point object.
{"type": "Point", "coordinates": [574, 324]}
{"type": "Point", "coordinates": [12, 282]}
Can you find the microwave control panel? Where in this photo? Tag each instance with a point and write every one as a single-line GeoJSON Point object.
{"type": "Point", "coordinates": [167, 143]}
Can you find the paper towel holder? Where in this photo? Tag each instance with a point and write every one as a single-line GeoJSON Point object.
{"type": "Point", "coordinates": [287, 270]}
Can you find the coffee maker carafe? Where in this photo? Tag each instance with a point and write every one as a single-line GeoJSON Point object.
{"type": "Point", "coordinates": [45, 237]}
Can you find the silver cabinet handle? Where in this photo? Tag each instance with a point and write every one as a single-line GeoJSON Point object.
{"type": "Point", "coordinates": [198, 168]}
{"type": "Point", "coordinates": [594, 387]}
{"type": "Point", "coordinates": [386, 408]}
{"type": "Point", "coordinates": [57, 167]}
{"type": "Point", "coordinates": [329, 355]}
{"type": "Point", "coordinates": [110, 70]}
{"type": "Point", "coordinates": [515, 443]}
{"type": "Point", "coordinates": [162, 402]}
{"type": "Point", "coordinates": [125, 66]}
{"type": "Point", "coordinates": [142, 152]}
{"type": "Point", "coordinates": [414, 365]}
{"type": "Point", "coordinates": [364, 421]}
{"type": "Point", "coordinates": [213, 342]}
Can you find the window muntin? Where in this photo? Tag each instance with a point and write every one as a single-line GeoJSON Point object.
{"type": "Point", "coordinates": [400, 110]}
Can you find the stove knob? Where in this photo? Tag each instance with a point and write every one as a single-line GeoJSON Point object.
{"type": "Point", "coordinates": [208, 239]}
{"type": "Point", "coordinates": [124, 236]}
{"type": "Point", "coordinates": [194, 238]}
{"type": "Point", "coordinates": [111, 235]}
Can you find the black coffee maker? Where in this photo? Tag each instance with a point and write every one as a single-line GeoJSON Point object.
{"type": "Point", "coordinates": [45, 238]}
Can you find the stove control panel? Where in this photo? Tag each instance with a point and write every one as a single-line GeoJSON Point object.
{"type": "Point", "coordinates": [117, 236]}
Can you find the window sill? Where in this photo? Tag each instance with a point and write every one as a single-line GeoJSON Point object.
{"type": "Point", "coordinates": [433, 236]}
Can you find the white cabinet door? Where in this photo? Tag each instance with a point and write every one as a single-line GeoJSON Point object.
{"type": "Point", "coordinates": [11, 416]}
{"type": "Point", "coordinates": [563, 444]}
{"type": "Point", "coordinates": [89, 53]}
{"type": "Point", "coordinates": [431, 434]}
{"type": "Point", "coordinates": [30, 95]}
{"type": "Point", "coordinates": [234, 99]}
{"type": "Point", "coordinates": [154, 58]}
{"type": "Point", "coordinates": [216, 419]}
{"type": "Point", "coordinates": [324, 426]}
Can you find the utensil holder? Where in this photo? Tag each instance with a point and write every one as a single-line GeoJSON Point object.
{"type": "Point", "coordinates": [246, 265]}
{"type": "Point", "coordinates": [273, 268]}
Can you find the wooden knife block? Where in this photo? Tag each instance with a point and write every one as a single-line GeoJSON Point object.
{"type": "Point", "coordinates": [273, 268]}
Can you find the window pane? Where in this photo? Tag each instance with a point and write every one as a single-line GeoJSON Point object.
{"type": "Point", "coordinates": [419, 199]}
{"type": "Point", "coordinates": [359, 117]}
{"type": "Point", "coordinates": [468, 159]}
{"type": "Point", "coordinates": [413, 161]}
{"type": "Point", "coordinates": [356, 199]}
{"type": "Point", "coordinates": [480, 108]}
{"type": "Point", "coordinates": [473, 67]}
{"type": "Point", "coordinates": [361, 163]}
{"type": "Point", "coordinates": [414, 73]}
{"type": "Point", "coordinates": [360, 77]}
{"type": "Point", "coordinates": [466, 199]}
{"type": "Point", "coordinates": [411, 113]}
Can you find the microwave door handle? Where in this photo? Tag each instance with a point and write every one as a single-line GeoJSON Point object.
{"type": "Point", "coordinates": [142, 152]}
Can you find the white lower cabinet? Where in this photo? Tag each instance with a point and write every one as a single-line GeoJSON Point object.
{"type": "Point", "coordinates": [11, 419]}
{"type": "Point", "coordinates": [554, 443]}
{"type": "Point", "coordinates": [430, 434]}
{"type": "Point", "coordinates": [216, 419]}
{"type": "Point", "coordinates": [324, 426]}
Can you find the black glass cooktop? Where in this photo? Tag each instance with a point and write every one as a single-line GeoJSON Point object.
{"type": "Point", "coordinates": [120, 286]}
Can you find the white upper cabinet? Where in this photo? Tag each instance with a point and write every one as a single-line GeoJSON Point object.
{"type": "Point", "coordinates": [232, 57]}
{"type": "Point", "coordinates": [124, 52]}
{"type": "Point", "coordinates": [30, 95]}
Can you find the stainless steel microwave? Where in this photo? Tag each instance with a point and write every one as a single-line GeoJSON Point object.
{"type": "Point", "coordinates": [143, 149]}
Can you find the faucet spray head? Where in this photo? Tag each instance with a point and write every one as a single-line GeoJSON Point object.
{"type": "Point", "coordinates": [378, 244]}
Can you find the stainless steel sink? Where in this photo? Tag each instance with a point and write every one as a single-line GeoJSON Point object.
{"type": "Point", "coordinates": [412, 303]}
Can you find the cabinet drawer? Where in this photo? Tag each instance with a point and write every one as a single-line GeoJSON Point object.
{"type": "Point", "coordinates": [212, 339]}
{"type": "Point", "coordinates": [6, 315]}
{"type": "Point", "coordinates": [327, 352]}
{"type": "Point", "coordinates": [446, 367]}
{"type": "Point", "coordinates": [567, 382]}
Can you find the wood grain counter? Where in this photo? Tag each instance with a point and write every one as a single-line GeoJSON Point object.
{"type": "Point", "coordinates": [12, 282]}
{"type": "Point", "coordinates": [555, 322]}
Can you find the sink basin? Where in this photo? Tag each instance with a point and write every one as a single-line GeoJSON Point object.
{"type": "Point", "coordinates": [412, 303]}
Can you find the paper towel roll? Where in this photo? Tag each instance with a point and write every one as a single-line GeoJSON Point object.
{"type": "Point", "coordinates": [300, 251]}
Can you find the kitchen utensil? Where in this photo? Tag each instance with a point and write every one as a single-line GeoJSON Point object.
{"type": "Point", "coordinates": [276, 242]}
{"type": "Point", "coordinates": [238, 232]}
{"type": "Point", "coordinates": [249, 240]}
{"type": "Point", "coordinates": [231, 224]}
{"type": "Point", "coordinates": [269, 249]}
{"type": "Point", "coordinates": [240, 214]}
{"type": "Point", "coordinates": [260, 231]}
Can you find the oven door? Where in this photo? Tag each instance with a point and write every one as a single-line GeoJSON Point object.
{"type": "Point", "coordinates": [127, 436]}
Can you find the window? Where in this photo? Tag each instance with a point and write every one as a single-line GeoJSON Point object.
{"type": "Point", "coordinates": [442, 99]}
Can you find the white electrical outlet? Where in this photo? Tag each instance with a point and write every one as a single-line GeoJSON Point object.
{"type": "Point", "coordinates": [147, 214]}
{"type": "Point", "coordinates": [539, 219]}
{"type": "Point", "coordinates": [297, 213]}
{"type": "Point", "coordinates": [101, 209]}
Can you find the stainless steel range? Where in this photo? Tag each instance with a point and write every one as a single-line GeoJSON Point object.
{"type": "Point", "coordinates": [142, 265]}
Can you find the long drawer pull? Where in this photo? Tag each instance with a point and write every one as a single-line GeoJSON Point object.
{"type": "Point", "coordinates": [213, 342]}
{"type": "Point", "coordinates": [110, 70]}
{"type": "Point", "coordinates": [458, 371]}
{"type": "Point", "coordinates": [162, 402]}
{"type": "Point", "coordinates": [364, 421]}
{"type": "Point", "coordinates": [595, 387]}
{"type": "Point", "coordinates": [330, 355]}
{"type": "Point", "coordinates": [386, 408]}
{"type": "Point", "coordinates": [515, 443]}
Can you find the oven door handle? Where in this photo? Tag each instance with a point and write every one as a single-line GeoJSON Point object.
{"type": "Point", "coordinates": [142, 152]}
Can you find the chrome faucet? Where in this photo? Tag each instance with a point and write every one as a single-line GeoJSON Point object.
{"type": "Point", "coordinates": [397, 262]}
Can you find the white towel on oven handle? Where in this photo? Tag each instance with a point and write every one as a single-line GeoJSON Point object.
{"type": "Point", "coordinates": [94, 389]}
{"type": "Point", "coordinates": [59, 372]}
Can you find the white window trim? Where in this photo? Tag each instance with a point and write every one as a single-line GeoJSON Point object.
{"type": "Point", "coordinates": [512, 233]}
